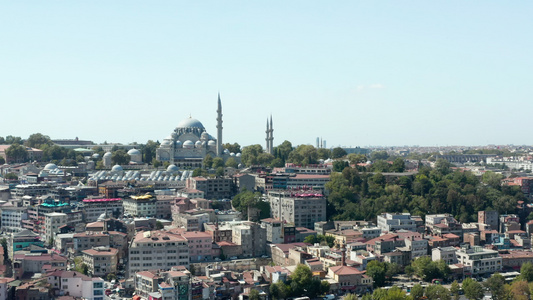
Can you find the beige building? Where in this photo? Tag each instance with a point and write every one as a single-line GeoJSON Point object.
{"type": "Point", "coordinates": [350, 279]}
{"type": "Point", "coordinates": [151, 250]}
{"type": "Point", "coordinates": [101, 260]}
{"type": "Point", "coordinates": [301, 208]}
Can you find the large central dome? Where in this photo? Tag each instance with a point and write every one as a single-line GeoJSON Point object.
{"type": "Point", "coordinates": [190, 123]}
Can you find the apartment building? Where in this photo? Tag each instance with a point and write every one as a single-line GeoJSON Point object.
{"type": "Point", "coordinates": [157, 250]}
{"type": "Point", "coordinates": [101, 260]}
{"type": "Point", "coordinates": [302, 208]}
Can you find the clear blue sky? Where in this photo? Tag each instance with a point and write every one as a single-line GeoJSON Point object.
{"type": "Point", "coordinates": [356, 73]}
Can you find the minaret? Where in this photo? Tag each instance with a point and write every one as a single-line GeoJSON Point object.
{"type": "Point", "coordinates": [271, 136]}
{"type": "Point", "coordinates": [219, 127]}
{"type": "Point", "coordinates": [267, 131]}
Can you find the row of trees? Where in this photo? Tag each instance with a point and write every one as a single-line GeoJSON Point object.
{"type": "Point", "coordinates": [355, 195]}
{"type": "Point", "coordinates": [286, 153]}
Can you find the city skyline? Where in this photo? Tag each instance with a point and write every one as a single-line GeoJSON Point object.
{"type": "Point", "coordinates": [355, 74]}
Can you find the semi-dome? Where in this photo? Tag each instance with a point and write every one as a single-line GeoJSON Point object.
{"type": "Point", "coordinates": [188, 144]}
{"type": "Point", "coordinates": [172, 169]}
{"type": "Point", "coordinates": [211, 143]}
{"type": "Point", "coordinates": [134, 152]}
{"type": "Point", "coordinates": [116, 168]}
{"type": "Point", "coordinates": [50, 166]}
{"type": "Point", "coordinates": [190, 123]}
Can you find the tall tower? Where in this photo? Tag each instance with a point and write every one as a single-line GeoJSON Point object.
{"type": "Point", "coordinates": [267, 139]}
{"type": "Point", "coordinates": [271, 148]}
{"type": "Point", "coordinates": [219, 127]}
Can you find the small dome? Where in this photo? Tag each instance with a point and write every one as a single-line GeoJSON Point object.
{"type": "Point", "coordinates": [169, 138]}
{"type": "Point", "coordinates": [232, 154]}
{"type": "Point", "coordinates": [188, 144]}
{"type": "Point", "coordinates": [238, 155]}
{"type": "Point", "coordinates": [178, 144]}
{"type": "Point", "coordinates": [190, 123]}
{"type": "Point", "coordinates": [211, 143]}
{"type": "Point", "coordinates": [226, 151]}
{"type": "Point", "coordinates": [172, 169]}
{"type": "Point", "coordinates": [95, 155]}
{"type": "Point", "coordinates": [198, 144]}
{"type": "Point", "coordinates": [107, 154]}
{"type": "Point", "coordinates": [205, 136]}
{"type": "Point", "coordinates": [117, 168]}
{"type": "Point", "coordinates": [165, 143]}
{"type": "Point", "coordinates": [174, 135]}
{"type": "Point", "coordinates": [50, 166]}
{"type": "Point", "coordinates": [134, 152]}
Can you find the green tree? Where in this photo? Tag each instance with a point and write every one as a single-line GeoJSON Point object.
{"type": "Point", "coordinates": [17, 153]}
{"type": "Point", "coordinates": [11, 176]}
{"type": "Point", "coordinates": [356, 158]}
{"type": "Point", "coordinates": [231, 163]}
{"type": "Point", "coordinates": [338, 152]}
{"type": "Point", "coordinates": [437, 292]}
{"type": "Point", "coordinates": [2, 160]}
{"type": "Point", "coordinates": [398, 165]}
{"type": "Point", "coordinates": [208, 161]}
{"type": "Point", "coordinates": [111, 277]}
{"type": "Point", "coordinates": [339, 165]}
{"type": "Point", "coordinates": [350, 297]}
{"type": "Point", "coordinates": [526, 272]}
{"type": "Point", "coordinates": [232, 148]}
{"type": "Point", "coordinates": [496, 284]}
{"type": "Point", "coordinates": [219, 172]}
{"type": "Point", "coordinates": [250, 153]}
{"type": "Point", "coordinates": [283, 151]}
{"type": "Point", "coordinates": [417, 292]}
{"type": "Point", "coordinates": [120, 157]}
{"type": "Point", "coordinates": [454, 289]}
{"type": "Point", "coordinates": [37, 140]}
{"type": "Point", "coordinates": [10, 140]}
{"type": "Point", "coordinates": [377, 271]}
{"type": "Point", "coordinates": [156, 163]}
{"type": "Point", "coordinates": [254, 295]}
{"type": "Point", "coordinates": [473, 289]}
{"type": "Point", "coordinates": [149, 151]}
{"type": "Point", "coordinates": [159, 225]}
{"type": "Point", "coordinates": [323, 153]}
{"type": "Point", "coordinates": [379, 155]}
{"type": "Point", "coordinates": [217, 162]}
{"type": "Point", "coordinates": [303, 155]}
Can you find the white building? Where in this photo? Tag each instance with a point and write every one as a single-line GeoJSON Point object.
{"type": "Point", "coordinates": [418, 247]}
{"type": "Point", "coordinates": [52, 222]}
{"type": "Point", "coordinates": [447, 254]}
{"type": "Point", "coordinates": [391, 222]}
{"type": "Point", "coordinates": [140, 206]}
{"type": "Point", "coordinates": [12, 217]}
{"type": "Point", "coordinates": [94, 208]}
{"type": "Point", "coordinates": [77, 285]}
{"type": "Point", "coordinates": [478, 260]}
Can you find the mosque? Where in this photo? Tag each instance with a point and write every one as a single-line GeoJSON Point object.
{"type": "Point", "coordinates": [189, 144]}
